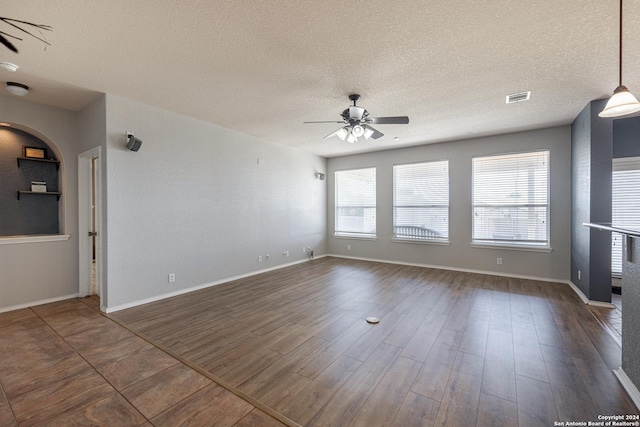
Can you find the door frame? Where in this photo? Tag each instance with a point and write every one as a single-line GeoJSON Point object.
{"type": "Point", "coordinates": [85, 249]}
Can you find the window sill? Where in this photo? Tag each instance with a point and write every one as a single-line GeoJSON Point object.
{"type": "Point", "coordinates": [422, 242]}
{"type": "Point", "coordinates": [354, 237]}
{"type": "Point", "coordinates": [525, 248]}
{"type": "Point", "coordinates": [12, 240]}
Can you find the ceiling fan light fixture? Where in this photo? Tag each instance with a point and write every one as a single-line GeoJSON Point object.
{"type": "Point", "coordinates": [357, 131]}
{"type": "Point", "coordinates": [367, 133]}
{"type": "Point", "coordinates": [357, 113]}
{"type": "Point", "coordinates": [342, 133]}
{"type": "Point", "coordinates": [352, 139]}
{"type": "Point", "coordinates": [17, 89]}
{"type": "Point", "coordinates": [621, 103]}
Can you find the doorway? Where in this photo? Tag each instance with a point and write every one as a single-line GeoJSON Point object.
{"type": "Point", "coordinates": [90, 224]}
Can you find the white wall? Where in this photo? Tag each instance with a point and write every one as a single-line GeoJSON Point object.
{"type": "Point", "coordinates": [460, 255]}
{"type": "Point", "coordinates": [195, 201]}
{"type": "Point", "coordinates": [32, 272]}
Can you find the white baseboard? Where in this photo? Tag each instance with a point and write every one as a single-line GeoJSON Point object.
{"type": "Point", "coordinates": [463, 270]}
{"type": "Point", "coordinates": [586, 300]}
{"type": "Point", "coordinates": [628, 385]}
{"type": "Point", "coordinates": [492, 273]}
{"type": "Point", "coordinates": [35, 303]}
{"type": "Point", "coordinates": [199, 287]}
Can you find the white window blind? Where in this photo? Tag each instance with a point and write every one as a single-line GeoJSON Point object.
{"type": "Point", "coordinates": [356, 202]}
{"type": "Point", "coordinates": [625, 204]}
{"type": "Point", "coordinates": [511, 199]}
{"type": "Point", "coordinates": [421, 201]}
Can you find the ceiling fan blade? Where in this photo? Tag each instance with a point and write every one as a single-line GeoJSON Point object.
{"type": "Point", "coordinates": [398, 120]}
{"type": "Point", "coordinates": [327, 121]}
{"type": "Point", "coordinates": [376, 133]}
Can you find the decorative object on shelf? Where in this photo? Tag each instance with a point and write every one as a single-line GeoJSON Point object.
{"type": "Point", "coordinates": [38, 187]}
{"type": "Point", "coordinates": [21, 26]}
{"type": "Point", "coordinates": [34, 152]}
{"type": "Point", "coordinates": [622, 102]}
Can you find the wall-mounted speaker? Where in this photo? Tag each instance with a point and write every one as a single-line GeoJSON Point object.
{"type": "Point", "coordinates": [133, 143]}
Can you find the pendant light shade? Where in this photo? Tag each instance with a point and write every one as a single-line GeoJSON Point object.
{"type": "Point", "coordinates": [622, 102]}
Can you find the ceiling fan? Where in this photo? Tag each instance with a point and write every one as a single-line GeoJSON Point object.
{"type": "Point", "coordinates": [358, 123]}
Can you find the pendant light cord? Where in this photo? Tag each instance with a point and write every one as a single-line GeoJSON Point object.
{"type": "Point", "coordinates": [620, 45]}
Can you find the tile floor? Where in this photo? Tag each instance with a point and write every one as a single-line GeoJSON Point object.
{"type": "Point", "coordinates": [65, 364]}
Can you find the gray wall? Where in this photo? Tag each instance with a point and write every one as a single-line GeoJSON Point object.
{"type": "Point", "coordinates": [202, 202]}
{"type": "Point", "coordinates": [626, 137]}
{"type": "Point", "coordinates": [459, 254]}
{"type": "Point", "coordinates": [32, 272]}
{"type": "Point", "coordinates": [592, 148]}
{"type": "Point", "coordinates": [31, 214]}
{"type": "Point", "coordinates": [631, 318]}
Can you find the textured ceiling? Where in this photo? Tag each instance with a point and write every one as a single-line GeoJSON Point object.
{"type": "Point", "coordinates": [263, 68]}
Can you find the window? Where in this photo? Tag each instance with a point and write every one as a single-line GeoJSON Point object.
{"type": "Point", "coordinates": [421, 201]}
{"type": "Point", "coordinates": [625, 205]}
{"type": "Point", "coordinates": [511, 199]}
{"type": "Point", "coordinates": [356, 203]}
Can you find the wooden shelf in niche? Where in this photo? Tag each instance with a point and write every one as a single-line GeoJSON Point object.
{"type": "Point", "coordinates": [31, 159]}
{"type": "Point", "coordinates": [48, 193]}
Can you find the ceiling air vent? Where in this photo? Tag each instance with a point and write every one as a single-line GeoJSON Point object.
{"type": "Point", "coordinates": [518, 97]}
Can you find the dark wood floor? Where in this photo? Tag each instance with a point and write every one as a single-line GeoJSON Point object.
{"type": "Point", "coordinates": [611, 319]}
{"type": "Point", "coordinates": [65, 364]}
{"type": "Point", "coordinates": [451, 348]}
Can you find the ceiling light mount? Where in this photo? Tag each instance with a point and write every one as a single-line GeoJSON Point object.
{"type": "Point", "coordinates": [17, 89]}
{"type": "Point", "coordinates": [622, 102]}
{"type": "Point", "coordinates": [9, 66]}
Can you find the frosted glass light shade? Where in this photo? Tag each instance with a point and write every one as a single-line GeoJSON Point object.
{"type": "Point", "coordinates": [621, 103]}
{"type": "Point", "coordinates": [342, 133]}
{"type": "Point", "coordinates": [357, 131]}
{"type": "Point", "coordinates": [368, 133]}
{"type": "Point", "coordinates": [17, 89]}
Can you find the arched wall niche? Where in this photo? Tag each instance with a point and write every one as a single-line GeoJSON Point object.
{"type": "Point", "coordinates": [31, 214]}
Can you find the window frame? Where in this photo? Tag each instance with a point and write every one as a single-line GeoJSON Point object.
{"type": "Point", "coordinates": [348, 234]}
{"type": "Point", "coordinates": [424, 240]}
{"type": "Point", "coordinates": [620, 165]}
{"type": "Point", "coordinates": [533, 246]}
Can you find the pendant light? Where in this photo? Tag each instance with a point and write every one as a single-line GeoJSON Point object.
{"type": "Point", "coordinates": [622, 102]}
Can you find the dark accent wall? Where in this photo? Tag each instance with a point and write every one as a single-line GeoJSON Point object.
{"type": "Point", "coordinates": [32, 214]}
{"type": "Point", "coordinates": [591, 156]}
{"type": "Point", "coordinates": [626, 137]}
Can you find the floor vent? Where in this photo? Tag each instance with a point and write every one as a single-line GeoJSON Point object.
{"type": "Point", "coordinates": [518, 97]}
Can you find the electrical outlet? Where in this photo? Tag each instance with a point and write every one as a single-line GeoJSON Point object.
{"type": "Point", "coordinates": [348, 247]}
{"type": "Point", "coordinates": [259, 258]}
{"type": "Point", "coordinates": [285, 254]}
{"type": "Point", "coordinates": [499, 261]}
{"type": "Point", "coordinates": [172, 277]}
{"type": "Point", "coordinates": [266, 257]}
